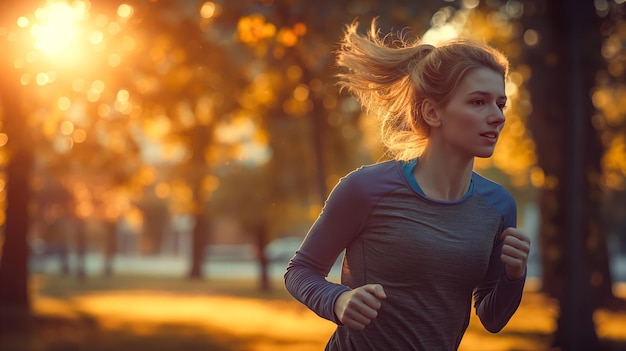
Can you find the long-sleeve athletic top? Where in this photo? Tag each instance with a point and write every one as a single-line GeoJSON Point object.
{"type": "Point", "coordinates": [429, 256]}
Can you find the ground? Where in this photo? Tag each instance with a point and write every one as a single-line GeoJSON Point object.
{"type": "Point", "coordinates": [162, 314]}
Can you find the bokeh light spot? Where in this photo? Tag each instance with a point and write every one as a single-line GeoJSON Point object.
{"type": "Point", "coordinates": [301, 93]}
{"type": "Point", "coordinates": [4, 139]}
{"type": "Point", "coordinates": [79, 136]}
{"type": "Point", "coordinates": [23, 22]}
{"type": "Point", "coordinates": [125, 11]}
{"type": "Point", "coordinates": [208, 10]}
{"type": "Point", "coordinates": [531, 37]}
{"type": "Point", "coordinates": [66, 128]}
{"type": "Point", "coordinates": [64, 103]}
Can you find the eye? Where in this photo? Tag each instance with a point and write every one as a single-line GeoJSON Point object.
{"type": "Point", "coordinates": [502, 106]}
{"type": "Point", "coordinates": [478, 102]}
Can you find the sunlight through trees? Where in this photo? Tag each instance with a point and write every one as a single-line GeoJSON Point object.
{"type": "Point", "coordinates": [135, 127]}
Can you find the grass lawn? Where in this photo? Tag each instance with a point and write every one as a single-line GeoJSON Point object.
{"type": "Point", "coordinates": [163, 314]}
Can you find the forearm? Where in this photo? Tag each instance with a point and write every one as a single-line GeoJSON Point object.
{"type": "Point", "coordinates": [313, 290]}
{"type": "Point", "coordinates": [496, 305]}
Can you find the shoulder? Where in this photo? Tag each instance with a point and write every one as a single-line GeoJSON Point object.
{"type": "Point", "coordinates": [375, 172]}
{"type": "Point", "coordinates": [371, 180]}
{"type": "Point", "coordinates": [494, 194]}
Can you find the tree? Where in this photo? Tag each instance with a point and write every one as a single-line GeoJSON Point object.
{"type": "Point", "coordinates": [80, 115]}
{"type": "Point", "coordinates": [15, 249]}
{"type": "Point", "coordinates": [194, 85]}
{"type": "Point", "coordinates": [15, 253]}
{"type": "Point", "coordinates": [563, 50]}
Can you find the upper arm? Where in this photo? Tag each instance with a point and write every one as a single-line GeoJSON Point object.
{"type": "Point", "coordinates": [339, 222]}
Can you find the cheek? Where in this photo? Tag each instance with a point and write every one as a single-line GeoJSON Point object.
{"type": "Point", "coordinates": [462, 121]}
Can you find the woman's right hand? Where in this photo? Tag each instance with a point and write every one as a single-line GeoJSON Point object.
{"type": "Point", "coordinates": [358, 307]}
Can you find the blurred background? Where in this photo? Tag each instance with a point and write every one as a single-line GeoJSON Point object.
{"type": "Point", "coordinates": [175, 152]}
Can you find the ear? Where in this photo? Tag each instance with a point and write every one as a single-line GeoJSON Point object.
{"type": "Point", "coordinates": [430, 113]}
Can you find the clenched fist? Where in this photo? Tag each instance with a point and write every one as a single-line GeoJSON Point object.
{"type": "Point", "coordinates": [357, 308]}
{"type": "Point", "coordinates": [515, 250]}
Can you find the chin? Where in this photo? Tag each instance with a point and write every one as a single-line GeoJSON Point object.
{"type": "Point", "coordinates": [484, 154]}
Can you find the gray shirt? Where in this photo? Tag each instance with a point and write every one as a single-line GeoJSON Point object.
{"type": "Point", "coordinates": [429, 256]}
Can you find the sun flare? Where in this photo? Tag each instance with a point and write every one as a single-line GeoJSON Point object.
{"type": "Point", "coordinates": [56, 26]}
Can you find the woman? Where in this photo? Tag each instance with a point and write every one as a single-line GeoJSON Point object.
{"type": "Point", "coordinates": [422, 232]}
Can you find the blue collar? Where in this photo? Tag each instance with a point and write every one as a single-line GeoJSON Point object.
{"type": "Point", "coordinates": [408, 168]}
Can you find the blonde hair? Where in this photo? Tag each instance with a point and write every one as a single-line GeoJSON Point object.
{"type": "Point", "coordinates": [392, 76]}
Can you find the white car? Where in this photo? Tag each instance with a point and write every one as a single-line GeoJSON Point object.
{"type": "Point", "coordinates": [282, 249]}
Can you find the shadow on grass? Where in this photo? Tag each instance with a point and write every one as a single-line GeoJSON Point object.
{"type": "Point", "coordinates": [546, 339]}
{"type": "Point", "coordinates": [48, 333]}
{"type": "Point", "coordinates": [52, 333]}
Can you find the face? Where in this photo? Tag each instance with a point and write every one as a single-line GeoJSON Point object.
{"type": "Point", "coordinates": [472, 120]}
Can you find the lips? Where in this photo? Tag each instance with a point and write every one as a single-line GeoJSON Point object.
{"type": "Point", "coordinates": [490, 135]}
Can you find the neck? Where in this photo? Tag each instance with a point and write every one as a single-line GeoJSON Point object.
{"type": "Point", "coordinates": [443, 177]}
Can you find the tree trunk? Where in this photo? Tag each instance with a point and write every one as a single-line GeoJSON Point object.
{"type": "Point", "coordinates": [15, 250]}
{"type": "Point", "coordinates": [318, 120]}
{"type": "Point", "coordinates": [574, 253]}
{"type": "Point", "coordinates": [198, 242]}
{"type": "Point", "coordinates": [81, 248]}
{"type": "Point", "coordinates": [261, 243]}
{"type": "Point", "coordinates": [15, 304]}
{"type": "Point", "coordinates": [110, 246]}
{"type": "Point", "coordinates": [156, 215]}
{"type": "Point", "coordinates": [549, 123]}
{"type": "Point", "coordinates": [575, 326]}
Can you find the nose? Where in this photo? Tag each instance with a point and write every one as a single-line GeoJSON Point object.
{"type": "Point", "coordinates": [496, 117]}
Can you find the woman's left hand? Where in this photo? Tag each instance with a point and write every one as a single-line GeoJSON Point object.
{"type": "Point", "coordinates": [515, 250]}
